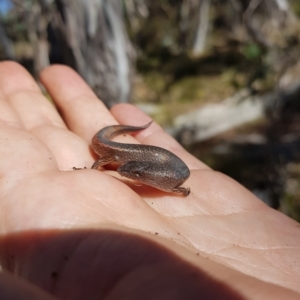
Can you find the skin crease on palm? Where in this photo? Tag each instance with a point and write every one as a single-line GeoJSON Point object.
{"type": "Point", "coordinates": [220, 229]}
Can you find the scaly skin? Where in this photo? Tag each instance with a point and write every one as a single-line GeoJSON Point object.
{"type": "Point", "coordinates": [150, 165]}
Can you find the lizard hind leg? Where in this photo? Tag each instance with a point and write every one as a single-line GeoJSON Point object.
{"type": "Point", "coordinates": [101, 162]}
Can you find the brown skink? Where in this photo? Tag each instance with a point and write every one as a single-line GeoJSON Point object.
{"type": "Point", "coordinates": [150, 165]}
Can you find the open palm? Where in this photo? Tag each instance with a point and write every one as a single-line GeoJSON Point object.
{"type": "Point", "coordinates": [92, 235]}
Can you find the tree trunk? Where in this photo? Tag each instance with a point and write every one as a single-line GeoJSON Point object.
{"type": "Point", "coordinates": [202, 29]}
{"type": "Point", "coordinates": [93, 40]}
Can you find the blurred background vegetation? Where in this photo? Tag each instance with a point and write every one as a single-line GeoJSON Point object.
{"type": "Point", "coordinates": [222, 76]}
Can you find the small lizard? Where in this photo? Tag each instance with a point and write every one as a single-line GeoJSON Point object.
{"type": "Point", "coordinates": [150, 165]}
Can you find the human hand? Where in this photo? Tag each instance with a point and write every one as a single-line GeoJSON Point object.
{"type": "Point", "coordinates": [88, 235]}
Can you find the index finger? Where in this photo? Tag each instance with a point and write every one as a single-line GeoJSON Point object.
{"type": "Point", "coordinates": [83, 112]}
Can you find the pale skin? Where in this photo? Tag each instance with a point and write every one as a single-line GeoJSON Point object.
{"type": "Point", "coordinates": [66, 231]}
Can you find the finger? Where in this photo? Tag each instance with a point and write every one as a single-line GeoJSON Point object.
{"type": "Point", "coordinates": [8, 116]}
{"type": "Point", "coordinates": [11, 72]}
{"type": "Point", "coordinates": [24, 95]}
{"type": "Point", "coordinates": [22, 154]}
{"type": "Point", "coordinates": [154, 135]}
{"type": "Point", "coordinates": [33, 112]}
{"type": "Point", "coordinates": [82, 111]}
